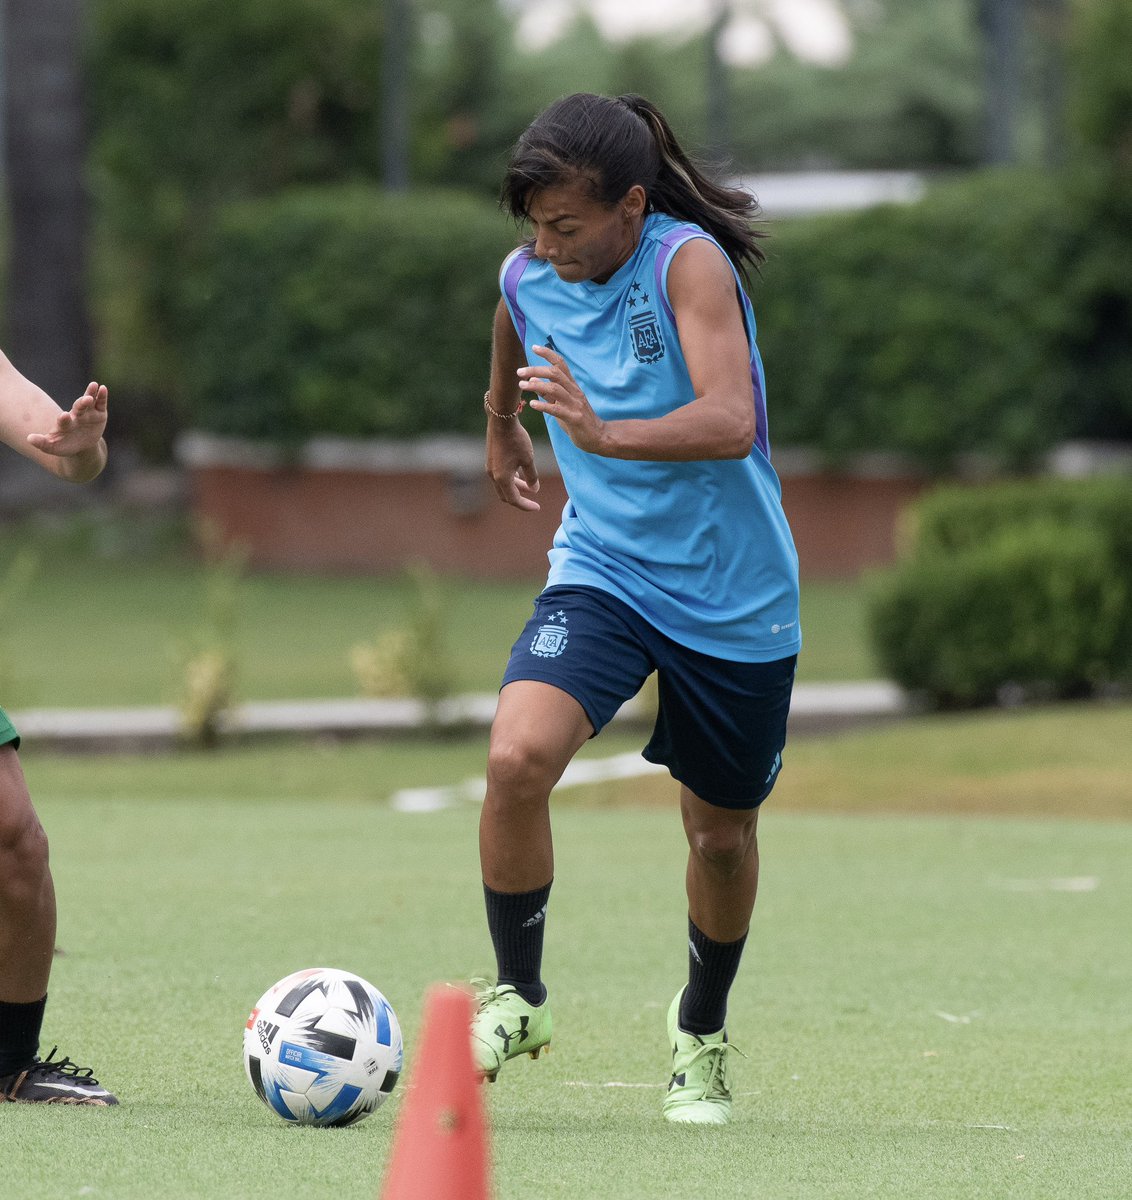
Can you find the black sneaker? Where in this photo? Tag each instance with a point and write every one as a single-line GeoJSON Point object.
{"type": "Point", "coordinates": [55, 1081]}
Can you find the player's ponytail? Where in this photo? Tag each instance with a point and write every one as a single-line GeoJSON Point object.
{"type": "Point", "coordinates": [617, 143]}
{"type": "Point", "coordinates": [682, 190]}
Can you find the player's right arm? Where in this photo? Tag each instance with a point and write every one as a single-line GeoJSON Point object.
{"type": "Point", "coordinates": [69, 444]}
{"type": "Point", "coordinates": [510, 454]}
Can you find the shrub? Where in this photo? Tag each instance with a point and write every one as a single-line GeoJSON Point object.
{"type": "Point", "coordinates": [936, 329]}
{"type": "Point", "coordinates": [202, 103]}
{"type": "Point", "coordinates": [954, 519]}
{"type": "Point", "coordinates": [194, 104]}
{"type": "Point", "coordinates": [208, 658]}
{"type": "Point", "coordinates": [1101, 92]}
{"type": "Point", "coordinates": [985, 320]}
{"type": "Point", "coordinates": [413, 659]}
{"type": "Point", "coordinates": [346, 311]}
{"type": "Point", "coordinates": [1025, 585]}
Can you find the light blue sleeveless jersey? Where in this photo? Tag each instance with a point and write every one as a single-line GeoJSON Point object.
{"type": "Point", "coordinates": [702, 549]}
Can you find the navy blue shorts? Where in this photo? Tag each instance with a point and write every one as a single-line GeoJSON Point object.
{"type": "Point", "coordinates": [720, 725]}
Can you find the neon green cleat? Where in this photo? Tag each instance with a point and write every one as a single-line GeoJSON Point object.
{"type": "Point", "coordinates": [697, 1092]}
{"type": "Point", "coordinates": [505, 1026]}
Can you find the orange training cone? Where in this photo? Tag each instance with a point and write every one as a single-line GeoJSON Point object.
{"type": "Point", "coordinates": [440, 1147]}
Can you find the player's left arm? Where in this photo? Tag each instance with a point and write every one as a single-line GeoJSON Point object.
{"type": "Point", "coordinates": [719, 422]}
{"type": "Point", "coordinates": [68, 443]}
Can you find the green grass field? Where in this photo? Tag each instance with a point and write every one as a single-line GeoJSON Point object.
{"type": "Point", "coordinates": [109, 610]}
{"type": "Point", "coordinates": [934, 1003]}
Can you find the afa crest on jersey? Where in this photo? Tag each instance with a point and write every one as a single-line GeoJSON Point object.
{"type": "Point", "coordinates": [648, 345]}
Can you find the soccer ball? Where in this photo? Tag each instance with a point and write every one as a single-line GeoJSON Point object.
{"type": "Point", "coordinates": [323, 1047]}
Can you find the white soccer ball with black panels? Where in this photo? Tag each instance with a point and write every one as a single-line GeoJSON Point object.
{"type": "Point", "coordinates": [323, 1047]}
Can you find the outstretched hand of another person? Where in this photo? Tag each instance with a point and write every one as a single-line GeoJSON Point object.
{"type": "Point", "coordinates": [78, 431]}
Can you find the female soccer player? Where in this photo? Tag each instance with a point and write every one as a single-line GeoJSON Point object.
{"type": "Point", "coordinates": [626, 318]}
{"type": "Point", "coordinates": [70, 445]}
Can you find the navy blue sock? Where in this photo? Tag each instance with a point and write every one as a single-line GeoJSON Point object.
{"type": "Point", "coordinates": [711, 972]}
{"type": "Point", "coordinates": [19, 1034]}
{"type": "Point", "coordinates": [517, 922]}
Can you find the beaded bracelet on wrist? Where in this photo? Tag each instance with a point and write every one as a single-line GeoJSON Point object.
{"type": "Point", "coordinates": [502, 416]}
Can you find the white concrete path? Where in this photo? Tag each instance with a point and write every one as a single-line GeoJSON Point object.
{"type": "Point", "coordinates": [814, 706]}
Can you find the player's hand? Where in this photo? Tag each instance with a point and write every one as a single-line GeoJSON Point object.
{"type": "Point", "coordinates": [77, 431]}
{"type": "Point", "coordinates": [558, 394]}
{"type": "Point", "coordinates": [511, 464]}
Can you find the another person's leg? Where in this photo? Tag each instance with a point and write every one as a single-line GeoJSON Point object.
{"type": "Point", "coordinates": [27, 945]}
{"type": "Point", "coordinates": [27, 918]}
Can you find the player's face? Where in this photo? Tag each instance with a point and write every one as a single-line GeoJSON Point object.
{"type": "Point", "coordinates": [581, 237]}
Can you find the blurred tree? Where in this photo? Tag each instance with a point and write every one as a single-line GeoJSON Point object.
{"type": "Point", "coordinates": [1051, 18]}
{"type": "Point", "coordinates": [717, 84]}
{"type": "Point", "coordinates": [396, 88]}
{"type": "Point", "coordinates": [658, 69]}
{"type": "Point", "coordinates": [1000, 22]}
{"type": "Point", "coordinates": [1101, 104]}
{"type": "Point", "coordinates": [464, 122]}
{"type": "Point", "coordinates": [909, 96]}
{"type": "Point", "coordinates": [47, 330]}
{"type": "Point", "coordinates": [200, 102]}
{"type": "Point", "coordinates": [1102, 88]}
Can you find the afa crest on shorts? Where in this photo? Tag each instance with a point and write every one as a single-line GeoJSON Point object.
{"type": "Point", "coordinates": [549, 641]}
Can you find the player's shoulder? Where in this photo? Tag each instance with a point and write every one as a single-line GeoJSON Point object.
{"type": "Point", "coordinates": [682, 241]}
{"type": "Point", "coordinates": [514, 266]}
{"type": "Point", "coordinates": [523, 251]}
{"type": "Point", "coordinates": [700, 265]}
{"type": "Point", "coordinates": [700, 249]}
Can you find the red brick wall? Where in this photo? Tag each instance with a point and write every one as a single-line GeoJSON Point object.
{"type": "Point", "coordinates": [844, 524]}
{"type": "Point", "coordinates": [355, 520]}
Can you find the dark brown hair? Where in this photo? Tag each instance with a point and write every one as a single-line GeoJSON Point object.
{"type": "Point", "coordinates": [617, 143]}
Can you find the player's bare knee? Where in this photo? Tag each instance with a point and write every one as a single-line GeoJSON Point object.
{"type": "Point", "coordinates": [518, 767]}
{"type": "Point", "coordinates": [723, 848]}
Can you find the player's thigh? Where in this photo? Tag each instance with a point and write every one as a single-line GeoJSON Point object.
{"type": "Point", "coordinates": [17, 816]}
{"type": "Point", "coordinates": [588, 644]}
{"type": "Point", "coordinates": [14, 799]}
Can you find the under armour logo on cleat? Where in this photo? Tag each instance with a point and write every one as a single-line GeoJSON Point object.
{"type": "Point", "coordinates": [520, 1034]}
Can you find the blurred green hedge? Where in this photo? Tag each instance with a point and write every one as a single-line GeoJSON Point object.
{"type": "Point", "coordinates": [977, 322]}
{"type": "Point", "coordinates": [966, 324]}
{"type": "Point", "coordinates": [347, 311]}
{"type": "Point", "coordinates": [1025, 586]}
{"type": "Point", "coordinates": [995, 317]}
{"type": "Point", "coordinates": [200, 104]}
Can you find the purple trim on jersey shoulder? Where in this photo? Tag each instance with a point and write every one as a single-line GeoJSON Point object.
{"type": "Point", "coordinates": [670, 242]}
{"type": "Point", "coordinates": [673, 241]}
{"type": "Point", "coordinates": [511, 277]}
{"type": "Point", "coordinates": [762, 433]}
